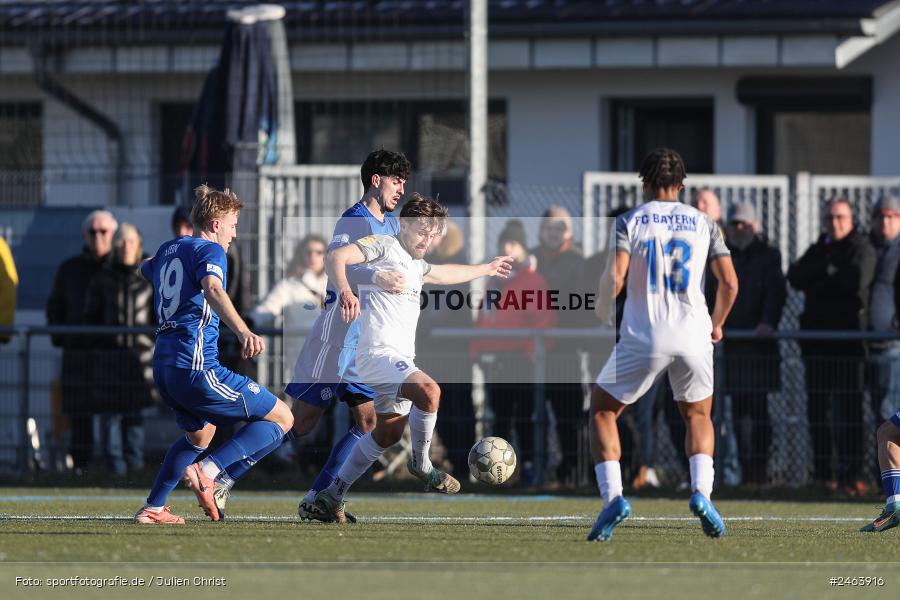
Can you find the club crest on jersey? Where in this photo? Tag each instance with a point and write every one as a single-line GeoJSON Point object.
{"type": "Point", "coordinates": [253, 387]}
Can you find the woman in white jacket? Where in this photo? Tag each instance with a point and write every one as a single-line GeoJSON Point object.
{"type": "Point", "coordinates": [294, 302]}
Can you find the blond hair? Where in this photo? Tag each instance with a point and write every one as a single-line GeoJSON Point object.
{"type": "Point", "coordinates": [211, 204]}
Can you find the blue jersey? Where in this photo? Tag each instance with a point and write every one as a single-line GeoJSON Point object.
{"type": "Point", "coordinates": [188, 331]}
{"type": "Point", "coordinates": [356, 222]}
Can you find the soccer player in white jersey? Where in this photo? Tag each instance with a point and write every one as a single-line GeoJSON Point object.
{"type": "Point", "coordinates": [386, 348]}
{"type": "Point", "coordinates": [662, 248]}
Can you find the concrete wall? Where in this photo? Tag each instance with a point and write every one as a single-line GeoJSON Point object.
{"type": "Point", "coordinates": [882, 63]}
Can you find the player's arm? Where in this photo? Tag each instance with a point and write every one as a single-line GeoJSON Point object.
{"type": "Point", "coordinates": [146, 269]}
{"type": "Point", "coordinates": [353, 228]}
{"type": "Point", "coordinates": [723, 269]}
{"type": "Point", "coordinates": [453, 274]}
{"type": "Point", "coordinates": [611, 284]}
{"type": "Point", "coordinates": [336, 264]}
{"type": "Point", "coordinates": [251, 344]}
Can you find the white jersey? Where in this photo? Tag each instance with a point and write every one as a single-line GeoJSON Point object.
{"type": "Point", "coordinates": [388, 321]}
{"type": "Point", "coordinates": [665, 311]}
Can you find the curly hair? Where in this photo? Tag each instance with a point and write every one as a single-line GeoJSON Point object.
{"type": "Point", "coordinates": [662, 168]}
{"type": "Point", "coordinates": [385, 163]}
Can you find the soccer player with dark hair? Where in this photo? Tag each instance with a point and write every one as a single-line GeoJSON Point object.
{"type": "Point", "coordinates": [661, 247]}
{"type": "Point", "coordinates": [387, 338]}
{"type": "Point", "coordinates": [325, 370]}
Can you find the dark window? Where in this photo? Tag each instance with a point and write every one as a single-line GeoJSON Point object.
{"type": "Point", "coordinates": [433, 134]}
{"type": "Point", "coordinates": [21, 154]}
{"type": "Point", "coordinates": [174, 119]}
{"type": "Point", "coordinates": [683, 124]}
{"type": "Point", "coordinates": [816, 124]}
{"type": "Point", "coordinates": [835, 142]}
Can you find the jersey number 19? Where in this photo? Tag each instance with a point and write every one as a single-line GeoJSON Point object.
{"type": "Point", "coordinates": [170, 278]}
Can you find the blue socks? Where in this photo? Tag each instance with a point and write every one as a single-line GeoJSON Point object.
{"type": "Point", "coordinates": [236, 470]}
{"type": "Point", "coordinates": [890, 482]}
{"type": "Point", "coordinates": [251, 443]}
{"type": "Point", "coordinates": [181, 454]}
{"type": "Point", "coordinates": [339, 454]}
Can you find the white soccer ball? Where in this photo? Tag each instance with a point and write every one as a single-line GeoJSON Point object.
{"type": "Point", "coordinates": [492, 460]}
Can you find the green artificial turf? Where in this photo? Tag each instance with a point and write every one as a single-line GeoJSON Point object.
{"type": "Point", "coordinates": [425, 546]}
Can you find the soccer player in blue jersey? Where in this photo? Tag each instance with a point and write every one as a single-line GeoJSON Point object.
{"type": "Point", "coordinates": [888, 436]}
{"type": "Point", "coordinates": [189, 280]}
{"type": "Point", "coordinates": [326, 368]}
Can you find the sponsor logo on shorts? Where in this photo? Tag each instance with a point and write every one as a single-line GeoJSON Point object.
{"type": "Point", "coordinates": [326, 394]}
{"type": "Point", "coordinates": [253, 387]}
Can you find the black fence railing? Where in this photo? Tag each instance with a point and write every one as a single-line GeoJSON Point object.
{"type": "Point", "coordinates": [786, 413]}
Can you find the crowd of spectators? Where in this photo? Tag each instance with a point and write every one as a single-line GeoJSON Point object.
{"type": "Point", "coordinates": [848, 279]}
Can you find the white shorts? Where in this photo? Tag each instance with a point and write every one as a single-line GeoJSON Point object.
{"type": "Point", "coordinates": [385, 371]}
{"type": "Point", "coordinates": [627, 375]}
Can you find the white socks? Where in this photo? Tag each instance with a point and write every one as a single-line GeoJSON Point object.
{"type": "Point", "coordinates": [210, 468]}
{"type": "Point", "coordinates": [421, 428]}
{"type": "Point", "coordinates": [609, 479]}
{"type": "Point", "coordinates": [702, 474]}
{"type": "Point", "coordinates": [364, 453]}
{"type": "Point", "coordinates": [892, 499]}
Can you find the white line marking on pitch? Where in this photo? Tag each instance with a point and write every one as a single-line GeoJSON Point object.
{"type": "Point", "coordinates": [440, 520]}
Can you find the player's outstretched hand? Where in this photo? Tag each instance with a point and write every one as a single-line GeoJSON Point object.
{"type": "Point", "coordinates": [501, 266]}
{"type": "Point", "coordinates": [349, 305]}
{"type": "Point", "coordinates": [716, 335]}
{"type": "Point", "coordinates": [390, 281]}
{"type": "Point", "coordinates": [251, 345]}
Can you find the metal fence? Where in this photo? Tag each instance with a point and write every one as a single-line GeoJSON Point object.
{"type": "Point", "coordinates": [769, 433]}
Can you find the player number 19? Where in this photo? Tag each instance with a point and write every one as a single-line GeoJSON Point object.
{"type": "Point", "coordinates": [170, 278]}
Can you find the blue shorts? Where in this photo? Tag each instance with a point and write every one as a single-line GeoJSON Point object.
{"type": "Point", "coordinates": [216, 396]}
{"type": "Point", "coordinates": [323, 373]}
{"type": "Point", "coordinates": [895, 419]}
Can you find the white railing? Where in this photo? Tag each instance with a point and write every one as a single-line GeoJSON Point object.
{"type": "Point", "coordinates": [313, 192]}
{"type": "Point", "coordinates": [863, 193]}
{"type": "Point", "coordinates": [769, 195]}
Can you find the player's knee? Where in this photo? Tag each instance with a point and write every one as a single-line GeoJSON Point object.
{"type": "Point", "coordinates": [202, 437]}
{"type": "Point", "coordinates": [387, 437]}
{"type": "Point", "coordinates": [365, 422]}
{"type": "Point", "coordinates": [430, 397]}
{"type": "Point", "coordinates": [887, 432]}
{"type": "Point", "coordinates": [304, 424]}
{"type": "Point", "coordinates": [282, 416]}
{"type": "Point", "coordinates": [306, 417]}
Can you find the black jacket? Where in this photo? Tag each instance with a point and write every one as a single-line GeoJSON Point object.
{"type": "Point", "coordinates": [65, 305]}
{"type": "Point", "coordinates": [754, 365]}
{"type": "Point", "coordinates": [119, 295]}
{"type": "Point", "coordinates": [122, 364]}
{"type": "Point", "coordinates": [762, 291]}
{"type": "Point", "coordinates": [836, 278]}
